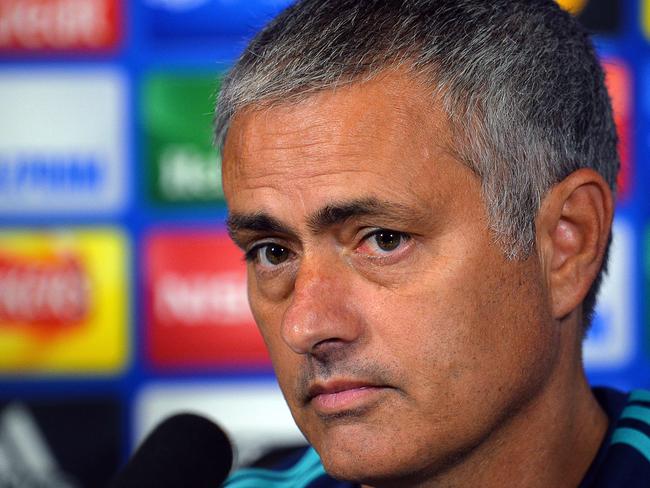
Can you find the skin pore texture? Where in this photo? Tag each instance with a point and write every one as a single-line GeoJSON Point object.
{"type": "Point", "coordinates": [410, 351]}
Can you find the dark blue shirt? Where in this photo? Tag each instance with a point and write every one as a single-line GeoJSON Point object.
{"type": "Point", "coordinates": [623, 459]}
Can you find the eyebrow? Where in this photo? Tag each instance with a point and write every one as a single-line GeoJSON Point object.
{"type": "Point", "coordinates": [256, 222]}
{"type": "Point", "coordinates": [338, 213]}
{"type": "Point", "coordinates": [324, 218]}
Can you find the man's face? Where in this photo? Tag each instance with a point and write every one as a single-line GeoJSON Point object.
{"type": "Point", "coordinates": [401, 336]}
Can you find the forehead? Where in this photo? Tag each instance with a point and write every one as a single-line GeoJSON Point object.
{"type": "Point", "coordinates": [387, 132]}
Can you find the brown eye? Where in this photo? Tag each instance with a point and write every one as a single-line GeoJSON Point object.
{"type": "Point", "coordinates": [388, 240]}
{"type": "Point", "coordinates": [274, 254]}
{"type": "Point", "coordinates": [383, 243]}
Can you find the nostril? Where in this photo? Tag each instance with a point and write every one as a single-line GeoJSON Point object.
{"type": "Point", "coordinates": [331, 349]}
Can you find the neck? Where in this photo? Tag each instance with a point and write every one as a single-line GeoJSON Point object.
{"type": "Point", "coordinates": [550, 442]}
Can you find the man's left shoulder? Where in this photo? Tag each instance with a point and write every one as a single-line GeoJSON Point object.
{"type": "Point", "coordinates": [625, 455]}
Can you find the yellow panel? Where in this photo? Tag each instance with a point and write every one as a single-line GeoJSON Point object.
{"type": "Point", "coordinates": [573, 6]}
{"type": "Point", "coordinates": [64, 302]}
{"type": "Point", "coordinates": [645, 17]}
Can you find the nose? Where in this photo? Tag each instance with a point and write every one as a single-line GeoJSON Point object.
{"type": "Point", "coordinates": [322, 310]}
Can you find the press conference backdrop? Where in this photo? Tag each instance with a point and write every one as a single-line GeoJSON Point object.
{"type": "Point", "coordinates": [121, 298]}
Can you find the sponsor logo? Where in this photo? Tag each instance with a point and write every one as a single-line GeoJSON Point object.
{"type": "Point", "coordinates": [45, 294]}
{"type": "Point", "coordinates": [619, 86]}
{"type": "Point", "coordinates": [39, 437]}
{"type": "Point", "coordinates": [197, 309]}
{"type": "Point", "coordinates": [610, 341]}
{"type": "Point", "coordinates": [183, 167]}
{"type": "Point", "coordinates": [187, 173]}
{"type": "Point", "coordinates": [53, 172]}
{"type": "Point", "coordinates": [254, 414]}
{"type": "Point", "coordinates": [63, 302]}
{"type": "Point", "coordinates": [198, 299]}
{"type": "Point", "coordinates": [36, 25]}
{"type": "Point", "coordinates": [65, 151]}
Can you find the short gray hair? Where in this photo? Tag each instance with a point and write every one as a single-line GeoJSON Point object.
{"type": "Point", "coordinates": [519, 81]}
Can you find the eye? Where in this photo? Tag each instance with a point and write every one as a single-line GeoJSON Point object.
{"type": "Point", "coordinates": [382, 242]}
{"type": "Point", "coordinates": [269, 255]}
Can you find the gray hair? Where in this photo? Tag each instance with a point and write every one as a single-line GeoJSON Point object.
{"type": "Point", "coordinates": [519, 81]}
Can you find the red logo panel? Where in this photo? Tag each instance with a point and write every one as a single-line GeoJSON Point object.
{"type": "Point", "coordinates": [59, 25]}
{"type": "Point", "coordinates": [619, 86]}
{"type": "Point", "coordinates": [197, 312]}
{"type": "Point", "coordinates": [45, 295]}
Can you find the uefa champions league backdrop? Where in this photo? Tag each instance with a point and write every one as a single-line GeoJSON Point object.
{"type": "Point", "coordinates": [121, 297]}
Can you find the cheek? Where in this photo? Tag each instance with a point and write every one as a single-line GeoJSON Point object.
{"type": "Point", "coordinates": [465, 331]}
{"type": "Point", "coordinates": [268, 317]}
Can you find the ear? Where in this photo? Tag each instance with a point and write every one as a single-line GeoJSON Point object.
{"type": "Point", "coordinates": [572, 230]}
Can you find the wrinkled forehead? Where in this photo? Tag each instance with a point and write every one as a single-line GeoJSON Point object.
{"type": "Point", "coordinates": [387, 116]}
{"type": "Point", "coordinates": [379, 141]}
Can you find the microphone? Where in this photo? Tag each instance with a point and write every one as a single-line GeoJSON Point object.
{"type": "Point", "coordinates": [183, 450]}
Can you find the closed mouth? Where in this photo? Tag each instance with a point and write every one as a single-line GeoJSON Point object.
{"type": "Point", "coordinates": [334, 397]}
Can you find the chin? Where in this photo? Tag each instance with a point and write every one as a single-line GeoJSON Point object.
{"type": "Point", "coordinates": [371, 474]}
{"type": "Point", "coordinates": [354, 470]}
{"type": "Point", "coordinates": [371, 460]}
{"type": "Point", "coordinates": [363, 455]}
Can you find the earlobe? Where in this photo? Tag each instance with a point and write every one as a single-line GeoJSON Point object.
{"type": "Point", "coordinates": [572, 228]}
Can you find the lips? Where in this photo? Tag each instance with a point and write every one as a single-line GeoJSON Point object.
{"type": "Point", "coordinates": [337, 396]}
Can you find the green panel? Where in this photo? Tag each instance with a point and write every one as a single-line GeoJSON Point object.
{"type": "Point", "coordinates": [182, 166]}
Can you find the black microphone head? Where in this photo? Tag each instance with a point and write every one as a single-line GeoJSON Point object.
{"type": "Point", "coordinates": [183, 450]}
